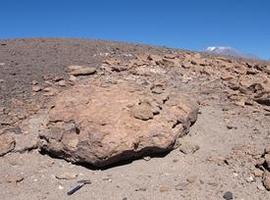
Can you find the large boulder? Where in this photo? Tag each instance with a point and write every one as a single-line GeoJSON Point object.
{"type": "Point", "coordinates": [102, 125]}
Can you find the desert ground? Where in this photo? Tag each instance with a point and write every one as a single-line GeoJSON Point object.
{"type": "Point", "coordinates": [136, 122]}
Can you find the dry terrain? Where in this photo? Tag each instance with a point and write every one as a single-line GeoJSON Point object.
{"type": "Point", "coordinates": [133, 122]}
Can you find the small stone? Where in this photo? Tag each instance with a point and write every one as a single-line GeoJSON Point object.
{"type": "Point", "coordinates": [235, 174]}
{"type": "Point", "coordinates": [76, 70]}
{"type": "Point", "coordinates": [147, 158]}
{"type": "Point", "coordinates": [72, 78]}
{"type": "Point", "coordinates": [66, 176]}
{"type": "Point", "coordinates": [36, 88]}
{"type": "Point", "coordinates": [60, 187]}
{"type": "Point", "coordinates": [257, 172]}
{"type": "Point", "coordinates": [250, 179]}
{"type": "Point", "coordinates": [50, 91]}
{"type": "Point", "coordinates": [228, 196]}
{"type": "Point", "coordinates": [34, 82]}
{"type": "Point", "coordinates": [62, 83]}
{"type": "Point", "coordinates": [164, 189]}
{"type": "Point", "coordinates": [2, 64]}
{"type": "Point", "coordinates": [266, 180]}
{"type": "Point", "coordinates": [188, 147]}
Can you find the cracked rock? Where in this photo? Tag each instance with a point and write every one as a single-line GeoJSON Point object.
{"type": "Point", "coordinates": [108, 129]}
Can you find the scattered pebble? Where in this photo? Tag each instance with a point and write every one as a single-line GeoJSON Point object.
{"type": "Point", "coordinates": [164, 189]}
{"type": "Point", "coordinates": [188, 147]}
{"type": "Point", "coordinates": [250, 179]}
{"type": "Point", "coordinates": [228, 196]}
{"type": "Point", "coordinates": [77, 70]}
{"type": "Point", "coordinates": [66, 176]}
{"type": "Point", "coordinates": [60, 187]}
{"type": "Point", "coordinates": [36, 88]}
{"type": "Point", "coordinates": [62, 83]}
{"type": "Point", "coordinates": [147, 158]}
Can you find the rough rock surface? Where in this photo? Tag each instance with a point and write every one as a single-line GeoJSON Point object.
{"type": "Point", "coordinates": [101, 125]}
{"type": "Point", "coordinates": [7, 144]}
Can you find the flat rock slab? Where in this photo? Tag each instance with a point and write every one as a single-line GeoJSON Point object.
{"type": "Point", "coordinates": [101, 125]}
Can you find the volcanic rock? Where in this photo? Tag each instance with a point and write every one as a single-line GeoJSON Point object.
{"type": "Point", "coordinates": [104, 125]}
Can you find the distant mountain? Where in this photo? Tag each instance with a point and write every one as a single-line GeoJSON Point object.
{"type": "Point", "coordinates": [228, 51]}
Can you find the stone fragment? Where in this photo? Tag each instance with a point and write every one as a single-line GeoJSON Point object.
{"type": "Point", "coordinates": [66, 176]}
{"type": "Point", "coordinates": [228, 195]}
{"type": "Point", "coordinates": [266, 180]}
{"type": "Point", "coordinates": [62, 83]}
{"type": "Point", "coordinates": [7, 144]}
{"type": "Point", "coordinates": [77, 70]}
{"type": "Point", "coordinates": [257, 172]}
{"type": "Point", "coordinates": [164, 189]}
{"type": "Point", "coordinates": [36, 88]}
{"type": "Point", "coordinates": [187, 147]}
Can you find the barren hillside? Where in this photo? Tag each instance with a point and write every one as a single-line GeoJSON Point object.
{"type": "Point", "coordinates": [125, 121]}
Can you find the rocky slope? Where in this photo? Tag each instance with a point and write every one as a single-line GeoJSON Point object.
{"type": "Point", "coordinates": [100, 104]}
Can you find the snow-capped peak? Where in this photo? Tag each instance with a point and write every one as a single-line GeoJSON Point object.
{"type": "Point", "coordinates": [226, 51]}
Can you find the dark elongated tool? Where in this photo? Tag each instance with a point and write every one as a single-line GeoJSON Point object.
{"type": "Point", "coordinates": [79, 185]}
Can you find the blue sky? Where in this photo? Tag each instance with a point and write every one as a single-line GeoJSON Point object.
{"type": "Point", "coordinates": [189, 24]}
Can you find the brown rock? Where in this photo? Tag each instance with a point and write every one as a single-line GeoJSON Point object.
{"type": "Point", "coordinates": [62, 83]}
{"type": "Point", "coordinates": [7, 144]}
{"type": "Point", "coordinates": [164, 189]}
{"type": "Point", "coordinates": [267, 160]}
{"type": "Point", "coordinates": [266, 180]}
{"type": "Point", "coordinates": [98, 125]}
{"type": "Point", "coordinates": [77, 70]}
{"type": "Point", "coordinates": [36, 88]}
{"type": "Point", "coordinates": [257, 172]}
